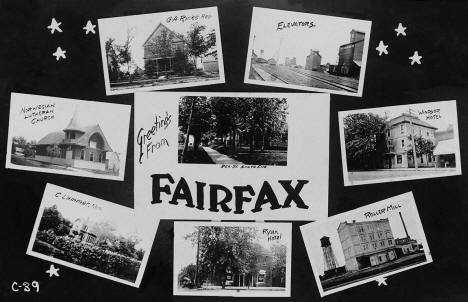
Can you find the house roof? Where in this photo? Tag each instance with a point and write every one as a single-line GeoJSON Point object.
{"type": "Point", "coordinates": [446, 147]}
{"type": "Point", "coordinates": [52, 138]}
{"type": "Point", "coordinates": [162, 26]}
{"type": "Point", "coordinates": [74, 125]}
{"type": "Point", "coordinates": [406, 118]}
{"type": "Point", "coordinates": [56, 138]}
{"type": "Point", "coordinates": [360, 222]}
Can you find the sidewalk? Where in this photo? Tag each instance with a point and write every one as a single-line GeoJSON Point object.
{"type": "Point", "coordinates": [219, 158]}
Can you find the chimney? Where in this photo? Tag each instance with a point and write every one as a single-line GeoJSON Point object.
{"type": "Point", "coordinates": [404, 226]}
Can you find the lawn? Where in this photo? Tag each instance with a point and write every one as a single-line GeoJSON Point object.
{"type": "Point", "coordinates": [257, 157]}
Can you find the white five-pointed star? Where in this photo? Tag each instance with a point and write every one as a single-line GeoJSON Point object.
{"type": "Point", "coordinates": [382, 48]}
{"type": "Point", "coordinates": [59, 53]}
{"type": "Point", "coordinates": [381, 281]}
{"type": "Point", "coordinates": [52, 271]}
{"type": "Point", "coordinates": [416, 58]}
{"type": "Point", "coordinates": [54, 26]}
{"type": "Point", "coordinates": [400, 30]}
{"type": "Point", "coordinates": [89, 27]}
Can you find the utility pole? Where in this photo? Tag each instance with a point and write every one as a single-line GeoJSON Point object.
{"type": "Point", "coordinates": [198, 255]}
{"type": "Point", "coordinates": [410, 111]}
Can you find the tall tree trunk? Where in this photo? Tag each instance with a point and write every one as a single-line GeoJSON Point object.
{"type": "Point", "coordinates": [187, 133]}
{"type": "Point", "coordinates": [263, 139]}
{"type": "Point", "coordinates": [234, 140]}
{"type": "Point", "coordinates": [251, 147]}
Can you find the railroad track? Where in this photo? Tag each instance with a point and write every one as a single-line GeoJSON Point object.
{"type": "Point", "coordinates": [270, 74]}
{"type": "Point", "coordinates": [341, 86]}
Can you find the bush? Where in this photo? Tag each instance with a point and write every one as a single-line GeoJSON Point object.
{"type": "Point", "coordinates": [42, 248]}
{"type": "Point", "coordinates": [46, 236]}
{"type": "Point", "coordinates": [96, 258]}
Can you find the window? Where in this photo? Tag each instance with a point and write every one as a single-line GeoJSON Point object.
{"type": "Point", "coordinates": [363, 238]}
{"type": "Point", "coordinates": [402, 143]}
{"type": "Point", "coordinates": [382, 243]}
{"type": "Point", "coordinates": [390, 241]}
{"type": "Point", "coordinates": [374, 245]}
{"type": "Point", "coordinates": [365, 247]}
{"type": "Point", "coordinates": [380, 235]}
{"type": "Point", "coordinates": [261, 278]}
{"type": "Point", "coordinates": [100, 157]}
{"type": "Point", "coordinates": [91, 156]}
{"type": "Point", "coordinates": [399, 159]}
{"type": "Point", "coordinates": [372, 236]}
{"type": "Point", "coordinates": [428, 133]}
{"type": "Point", "coordinates": [82, 154]}
{"type": "Point", "coordinates": [402, 129]}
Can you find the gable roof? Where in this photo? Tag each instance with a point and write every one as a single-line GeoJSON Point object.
{"type": "Point", "coordinates": [406, 118]}
{"type": "Point", "coordinates": [89, 131]}
{"type": "Point", "coordinates": [56, 138]}
{"type": "Point", "coordinates": [160, 25]}
{"type": "Point", "coordinates": [52, 138]}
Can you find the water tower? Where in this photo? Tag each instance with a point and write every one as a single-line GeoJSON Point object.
{"type": "Point", "coordinates": [329, 260]}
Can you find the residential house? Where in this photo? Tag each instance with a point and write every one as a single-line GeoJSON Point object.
{"type": "Point", "coordinates": [75, 146]}
{"type": "Point", "coordinates": [160, 50]}
{"type": "Point", "coordinates": [399, 142]}
{"type": "Point", "coordinates": [82, 230]}
{"type": "Point", "coordinates": [446, 148]}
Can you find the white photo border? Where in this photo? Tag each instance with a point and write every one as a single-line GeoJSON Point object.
{"type": "Point", "coordinates": [219, 49]}
{"type": "Point", "coordinates": [347, 182]}
{"type": "Point", "coordinates": [406, 197]}
{"type": "Point", "coordinates": [123, 159]}
{"type": "Point", "coordinates": [285, 293]}
{"type": "Point", "coordinates": [40, 212]}
{"type": "Point", "coordinates": [247, 80]}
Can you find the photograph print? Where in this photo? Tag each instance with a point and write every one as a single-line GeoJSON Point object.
{"type": "Point", "coordinates": [67, 136]}
{"type": "Point", "coordinates": [92, 235]}
{"type": "Point", "coordinates": [233, 130]}
{"type": "Point", "coordinates": [366, 244]}
{"type": "Point", "coordinates": [377, 145]}
{"type": "Point", "coordinates": [307, 51]}
{"type": "Point", "coordinates": [161, 50]}
{"type": "Point", "coordinates": [232, 259]}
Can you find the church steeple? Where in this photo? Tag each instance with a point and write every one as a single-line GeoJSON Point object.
{"type": "Point", "coordinates": [74, 125]}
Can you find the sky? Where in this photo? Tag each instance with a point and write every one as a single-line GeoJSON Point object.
{"type": "Point", "coordinates": [113, 119]}
{"type": "Point", "coordinates": [143, 25]}
{"type": "Point", "coordinates": [447, 112]}
{"type": "Point", "coordinates": [185, 253]}
{"type": "Point", "coordinates": [329, 228]}
{"type": "Point", "coordinates": [328, 35]}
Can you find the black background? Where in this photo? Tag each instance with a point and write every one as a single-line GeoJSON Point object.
{"type": "Point", "coordinates": [437, 29]}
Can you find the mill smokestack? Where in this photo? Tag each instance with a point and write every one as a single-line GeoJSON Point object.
{"type": "Point", "coordinates": [404, 226]}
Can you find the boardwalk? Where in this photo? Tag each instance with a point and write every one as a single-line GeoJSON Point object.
{"type": "Point", "coordinates": [219, 158]}
{"type": "Point", "coordinates": [302, 77]}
